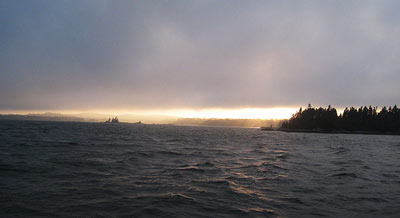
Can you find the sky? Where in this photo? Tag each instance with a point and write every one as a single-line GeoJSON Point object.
{"type": "Point", "coordinates": [98, 55]}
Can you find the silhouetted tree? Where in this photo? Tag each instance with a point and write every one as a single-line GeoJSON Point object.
{"type": "Point", "coordinates": [361, 119]}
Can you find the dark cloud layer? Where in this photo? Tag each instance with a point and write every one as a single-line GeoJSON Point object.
{"type": "Point", "coordinates": [151, 54]}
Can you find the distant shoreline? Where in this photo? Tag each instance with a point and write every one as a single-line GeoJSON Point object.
{"type": "Point", "coordinates": [364, 120]}
{"type": "Point", "coordinates": [331, 131]}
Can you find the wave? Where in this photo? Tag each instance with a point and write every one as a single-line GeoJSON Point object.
{"type": "Point", "coordinates": [96, 170]}
{"type": "Point", "coordinates": [351, 175]}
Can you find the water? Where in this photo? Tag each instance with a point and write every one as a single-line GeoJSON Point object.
{"type": "Point", "coordinates": [61, 169]}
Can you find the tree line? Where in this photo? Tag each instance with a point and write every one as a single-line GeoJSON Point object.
{"type": "Point", "coordinates": [362, 119]}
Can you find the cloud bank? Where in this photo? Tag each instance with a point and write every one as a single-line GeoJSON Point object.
{"type": "Point", "coordinates": [197, 54]}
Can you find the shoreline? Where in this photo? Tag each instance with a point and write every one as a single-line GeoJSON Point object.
{"type": "Point", "coordinates": [331, 131]}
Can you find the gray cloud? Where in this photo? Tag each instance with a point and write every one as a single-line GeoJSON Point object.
{"type": "Point", "coordinates": [156, 54]}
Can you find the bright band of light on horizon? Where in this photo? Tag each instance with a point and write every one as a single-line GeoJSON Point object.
{"type": "Point", "coordinates": [244, 113]}
{"type": "Point", "coordinates": [208, 113]}
{"type": "Point", "coordinates": [220, 113]}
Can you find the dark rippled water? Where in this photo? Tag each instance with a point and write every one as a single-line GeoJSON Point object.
{"type": "Point", "coordinates": [57, 169]}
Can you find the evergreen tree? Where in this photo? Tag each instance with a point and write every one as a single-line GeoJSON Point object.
{"type": "Point", "coordinates": [361, 119]}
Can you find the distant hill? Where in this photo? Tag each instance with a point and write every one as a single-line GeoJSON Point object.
{"type": "Point", "coordinates": [89, 117]}
{"type": "Point", "coordinates": [43, 117]}
{"type": "Point", "coordinates": [229, 122]}
{"type": "Point", "coordinates": [159, 119]}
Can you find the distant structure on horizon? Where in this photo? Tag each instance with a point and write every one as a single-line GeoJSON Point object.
{"type": "Point", "coordinates": [116, 120]}
{"type": "Point", "coordinates": [113, 120]}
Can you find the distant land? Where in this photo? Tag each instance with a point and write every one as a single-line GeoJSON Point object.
{"type": "Point", "coordinates": [88, 117]}
{"type": "Point", "coordinates": [364, 120]}
{"type": "Point", "coordinates": [274, 123]}
{"type": "Point", "coordinates": [150, 119]}
{"type": "Point", "coordinates": [44, 117]}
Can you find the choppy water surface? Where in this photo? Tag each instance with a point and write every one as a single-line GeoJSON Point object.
{"type": "Point", "coordinates": [56, 169]}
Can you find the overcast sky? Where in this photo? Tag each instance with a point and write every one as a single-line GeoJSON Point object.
{"type": "Point", "coordinates": [97, 54]}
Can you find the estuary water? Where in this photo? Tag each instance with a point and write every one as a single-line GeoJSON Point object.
{"type": "Point", "coordinates": [67, 169]}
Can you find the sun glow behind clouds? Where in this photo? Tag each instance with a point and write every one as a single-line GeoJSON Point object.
{"type": "Point", "coordinates": [243, 113]}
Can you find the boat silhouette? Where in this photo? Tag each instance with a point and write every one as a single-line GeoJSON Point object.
{"type": "Point", "coordinates": [113, 120]}
{"type": "Point", "coordinates": [116, 120]}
